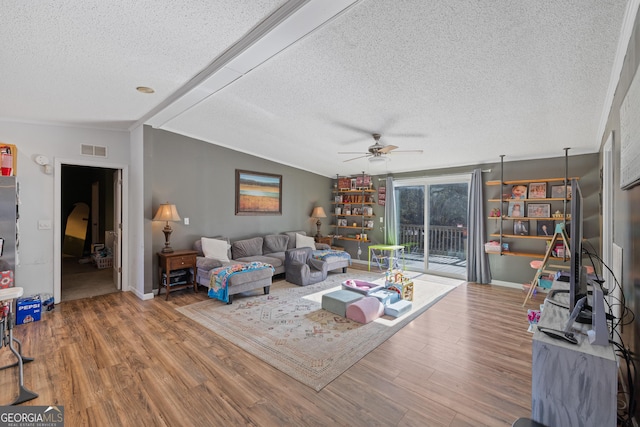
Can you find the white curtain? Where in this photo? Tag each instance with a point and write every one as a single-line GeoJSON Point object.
{"type": "Point", "coordinates": [478, 269]}
{"type": "Point", "coordinates": [390, 231]}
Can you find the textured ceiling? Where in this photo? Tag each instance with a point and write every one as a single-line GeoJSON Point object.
{"type": "Point", "coordinates": [465, 81]}
{"type": "Point", "coordinates": [79, 61]}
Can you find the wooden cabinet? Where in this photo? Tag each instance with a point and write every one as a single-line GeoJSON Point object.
{"type": "Point", "coordinates": [352, 203]}
{"type": "Point", "coordinates": [325, 240]}
{"type": "Point", "coordinates": [175, 262]}
{"type": "Point", "coordinates": [523, 214]}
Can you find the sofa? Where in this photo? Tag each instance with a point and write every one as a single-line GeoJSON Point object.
{"type": "Point", "coordinates": [268, 249]}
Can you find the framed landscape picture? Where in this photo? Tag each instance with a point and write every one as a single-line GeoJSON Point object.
{"type": "Point", "coordinates": [538, 190]}
{"type": "Point", "coordinates": [539, 210]}
{"type": "Point", "coordinates": [258, 193]}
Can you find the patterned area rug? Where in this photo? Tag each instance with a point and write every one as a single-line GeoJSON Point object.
{"type": "Point", "coordinates": [289, 330]}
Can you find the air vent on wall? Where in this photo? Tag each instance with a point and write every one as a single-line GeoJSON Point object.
{"type": "Point", "coordinates": [93, 150]}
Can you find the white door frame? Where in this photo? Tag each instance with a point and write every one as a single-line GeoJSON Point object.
{"type": "Point", "coordinates": [117, 226]}
{"type": "Point", "coordinates": [95, 212]}
{"type": "Point", "coordinates": [607, 218]}
{"type": "Point", "coordinates": [426, 181]}
{"type": "Point", "coordinates": [57, 218]}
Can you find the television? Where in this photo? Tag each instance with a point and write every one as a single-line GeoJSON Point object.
{"type": "Point", "coordinates": [577, 273]}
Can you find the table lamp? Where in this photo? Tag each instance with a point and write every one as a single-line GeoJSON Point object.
{"type": "Point", "coordinates": [318, 212]}
{"type": "Point", "coordinates": [167, 212]}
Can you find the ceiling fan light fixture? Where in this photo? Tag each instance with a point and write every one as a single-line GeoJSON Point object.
{"type": "Point", "coordinates": [378, 159]}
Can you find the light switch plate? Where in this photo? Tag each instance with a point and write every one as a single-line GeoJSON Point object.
{"type": "Point", "coordinates": [44, 224]}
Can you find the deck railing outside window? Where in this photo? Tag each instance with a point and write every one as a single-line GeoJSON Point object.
{"type": "Point", "coordinates": [442, 240]}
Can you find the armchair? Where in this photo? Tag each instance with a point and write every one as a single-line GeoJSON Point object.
{"type": "Point", "coordinates": [302, 269]}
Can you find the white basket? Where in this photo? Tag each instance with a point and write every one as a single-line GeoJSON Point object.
{"type": "Point", "coordinates": [103, 262]}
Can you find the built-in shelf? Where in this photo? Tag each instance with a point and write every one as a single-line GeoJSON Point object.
{"type": "Point", "coordinates": [357, 196]}
{"type": "Point", "coordinates": [527, 181]}
{"type": "Point", "coordinates": [517, 236]}
{"type": "Point", "coordinates": [506, 236]}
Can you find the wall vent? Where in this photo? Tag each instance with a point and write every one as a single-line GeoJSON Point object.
{"type": "Point", "coordinates": [93, 150]}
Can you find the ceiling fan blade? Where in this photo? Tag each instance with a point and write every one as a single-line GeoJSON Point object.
{"type": "Point", "coordinates": [387, 148]}
{"type": "Point", "coordinates": [350, 152]}
{"type": "Point", "coordinates": [408, 151]}
{"type": "Point", "coordinates": [359, 157]}
{"type": "Point", "coordinates": [351, 127]}
{"type": "Point", "coordinates": [405, 135]}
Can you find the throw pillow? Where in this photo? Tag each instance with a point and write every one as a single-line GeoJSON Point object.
{"type": "Point", "coordinates": [247, 248]}
{"type": "Point", "coordinates": [305, 241]}
{"type": "Point", "coordinates": [275, 243]}
{"type": "Point", "coordinates": [214, 248]}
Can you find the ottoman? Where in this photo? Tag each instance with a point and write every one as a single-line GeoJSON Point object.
{"type": "Point", "coordinates": [337, 301]}
{"type": "Point", "coordinates": [242, 281]}
{"type": "Point", "coordinates": [365, 310]}
{"type": "Point", "coordinates": [397, 309]}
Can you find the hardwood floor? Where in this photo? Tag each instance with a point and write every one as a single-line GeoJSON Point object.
{"type": "Point", "coordinates": [116, 360]}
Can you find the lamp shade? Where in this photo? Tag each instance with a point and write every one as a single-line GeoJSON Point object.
{"type": "Point", "coordinates": [318, 212]}
{"type": "Point", "coordinates": [167, 212]}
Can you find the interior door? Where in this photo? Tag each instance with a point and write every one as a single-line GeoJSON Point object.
{"type": "Point", "coordinates": [117, 226]}
{"type": "Point", "coordinates": [95, 212]}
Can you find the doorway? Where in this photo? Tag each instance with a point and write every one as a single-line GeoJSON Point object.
{"type": "Point", "coordinates": [432, 223]}
{"type": "Point", "coordinates": [90, 213]}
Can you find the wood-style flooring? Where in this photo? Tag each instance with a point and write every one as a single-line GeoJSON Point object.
{"type": "Point", "coordinates": [114, 360]}
{"type": "Point", "coordinates": [84, 280]}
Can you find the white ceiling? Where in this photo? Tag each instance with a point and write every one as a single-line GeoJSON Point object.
{"type": "Point", "coordinates": [465, 81]}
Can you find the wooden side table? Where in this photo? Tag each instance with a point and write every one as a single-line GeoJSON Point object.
{"type": "Point", "coordinates": [177, 260]}
{"type": "Point", "coordinates": [326, 240]}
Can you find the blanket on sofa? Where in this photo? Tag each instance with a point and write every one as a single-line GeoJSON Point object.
{"type": "Point", "coordinates": [323, 255]}
{"type": "Point", "coordinates": [221, 275]}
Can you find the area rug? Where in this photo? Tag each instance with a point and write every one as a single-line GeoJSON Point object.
{"type": "Point", "coordinates": [289, 330]}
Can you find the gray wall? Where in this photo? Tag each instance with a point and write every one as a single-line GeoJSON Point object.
{"type": "Point", "coordinates": [626, 226]}
{"type": "Point", "coordinates": [516, 269]}
{"type": "Point", "coordinates": [199, 178]}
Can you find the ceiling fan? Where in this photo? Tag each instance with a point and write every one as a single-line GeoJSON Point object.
{"type": "Point", "coordinates": [377, 151]}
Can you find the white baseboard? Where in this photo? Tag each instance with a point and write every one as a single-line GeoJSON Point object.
{"type": "Point", "coordinates": [506, 284]}
{"type": "Point", "coordinates": [493, 282]}
{"type": "Point", "coordinates": [144, 296]}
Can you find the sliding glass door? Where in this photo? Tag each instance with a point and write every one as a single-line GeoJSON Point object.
{"type": "Point", "coordinates": [432, 223]}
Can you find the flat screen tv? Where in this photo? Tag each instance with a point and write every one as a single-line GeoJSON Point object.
{"type": "Point", "coordinates": [577, 276]}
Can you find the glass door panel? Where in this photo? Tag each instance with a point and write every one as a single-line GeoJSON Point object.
{"type": "Point", "coordinates": [410, 217]}
{"type": "Point", "coordinates": [432, 225]}
{"type": "Point", "coordinates": [447, 229]}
